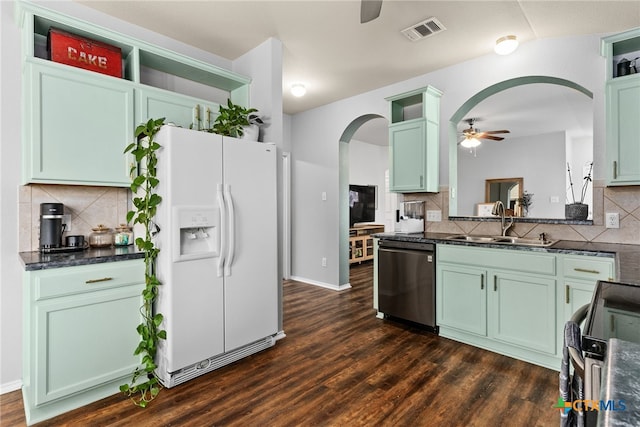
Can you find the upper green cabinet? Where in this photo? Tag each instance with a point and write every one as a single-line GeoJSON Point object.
{"type": "Point", "coordinates": [413, 140]}
{"type": "Point", "coordinates": [181, 110]}
{"type": "Point", "coordinates": [623, 107]}
{"type": "Point", "coordinates": [77, 125]}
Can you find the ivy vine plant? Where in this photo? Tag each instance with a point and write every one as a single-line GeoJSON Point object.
{"type": "Point", "coordinates": [144, 385]}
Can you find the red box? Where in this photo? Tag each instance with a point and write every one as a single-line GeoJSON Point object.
{"type": "Point", "coordinates": [81, 52]}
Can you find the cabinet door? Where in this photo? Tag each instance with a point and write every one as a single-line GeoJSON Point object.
{"type": "Point", "coordinates": [623, 139]}
{"type": "Point", "coordinates": [78, 124]}
{"type": "Point", "coordinates": [522, 311]}
{"type": "Point", "coordinates": [182, 110]}
{"type": "Point", "coordinates": [85, 341]}
{"type": "Point", "coordinates": [407, 153]}
{"type": "Point", "coordinates": [576, 294]}
{"type": "Point", "coordinates": [461, 298]}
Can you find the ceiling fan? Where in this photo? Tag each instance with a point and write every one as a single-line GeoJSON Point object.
{"type": "Point", "coordinates": [472, 137]}
{"type": "Point", "coordinates": [369, 10]}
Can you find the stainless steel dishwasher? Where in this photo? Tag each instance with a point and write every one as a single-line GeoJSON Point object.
{"type": "Point", "coordinates": [406, 281]}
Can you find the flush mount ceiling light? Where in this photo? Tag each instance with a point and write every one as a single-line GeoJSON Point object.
{"type": "Point", "coordinates": [470, 142]}
{"type": "Point", "coordinates": [505, 45]}
{"type": "Point", "coordinates": [298, 90]}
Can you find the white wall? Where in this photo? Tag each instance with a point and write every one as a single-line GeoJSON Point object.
{"type": "Point", "coordinates": [367, 163]}
{"type": "Point", "coordinates": [10, 267]}
{"type": "Point", "coordinates": [539, 160]}
{"type": "Point", "coordinates": [315, 134]}
{"type": "Point", "coordinates": [267, 96]}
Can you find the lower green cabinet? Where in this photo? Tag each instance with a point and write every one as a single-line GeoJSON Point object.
{"type": "Point", "coordinates": [462, 302]}
{"type": "Point", "coordinates": [522, 311]}
{"type": "Point", "coordinates": [515, 302]}
{"type": "Point", "coordinates": [79, 334]}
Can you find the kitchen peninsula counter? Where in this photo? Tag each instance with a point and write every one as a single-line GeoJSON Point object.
{"type": "Point", "coordinates": [627, 256]}
{"type": "Point", "coordinates": [42, 261]}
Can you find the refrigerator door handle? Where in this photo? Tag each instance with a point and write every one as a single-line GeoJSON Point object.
{"type": "Point", "coordinates": [223, 230]}
{"type": "Point", "coordinates": [230, 231]}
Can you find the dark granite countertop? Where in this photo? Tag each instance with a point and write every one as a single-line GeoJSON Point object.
{"type": "Point", "coordinates": [43, 261]}
{"type": "Point", "coordinates": [621, 384]}
{"type": "Point", "coordinates": [627, 256]}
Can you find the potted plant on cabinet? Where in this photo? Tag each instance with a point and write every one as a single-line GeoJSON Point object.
{"type": "Point", "coordinates": [233, 120]}
{"type": "Point", "coordinates": [145, 204]}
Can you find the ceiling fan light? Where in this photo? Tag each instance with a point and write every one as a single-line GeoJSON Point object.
{"type": "Point", "coordinates": [298, 90]}
{"type": "Point", "coordinates": [506, 45]}
{"type": "Point", "coordinates": [470, 142]}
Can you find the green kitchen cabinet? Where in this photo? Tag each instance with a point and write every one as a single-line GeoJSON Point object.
{"type": "Point", "coordinates": [77, 125]}
{"type": "Point", "coordinates": [182, 110]}
{"type": "Point", "coordinates": [522, 311]}
{"type": "Point", "coordinates": [498, 299]}
{"type": "Point", "coordinates": [580, 274]}
{"type": "Point", "coordinates": [461, 298]}
{"type": "Point", "coordinates": [622, 106]}
{"type": "Point", "coordinates": [413, 141]}
{"type": "Point", "coordinates": [623, 138]}
{"type": "Point", "coordinates": [79, 334]}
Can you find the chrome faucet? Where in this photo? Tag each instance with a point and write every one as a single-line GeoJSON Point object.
{"type": "Point", "coordinates": [498, 209]}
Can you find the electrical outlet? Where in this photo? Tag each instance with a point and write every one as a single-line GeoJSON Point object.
{"type": "Point", "coordinates": [324, 196]}
{"type": "Point", "coordinates": [324, 261]}
{"type": "Point", "coordinates": [612, 220]}
{"type": "Point", "coordinates": [434, 216]}
{"type": "Point", "coordinates": [66, 220]}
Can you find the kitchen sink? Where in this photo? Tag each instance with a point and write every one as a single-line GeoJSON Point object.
{"type": "Point", "coordinates": [507, 240]}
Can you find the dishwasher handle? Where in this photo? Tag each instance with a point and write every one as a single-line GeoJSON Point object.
{"type": "Point", "coordinates": [415, 246]}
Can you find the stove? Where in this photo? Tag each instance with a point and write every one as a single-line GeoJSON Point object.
{"type": "Point", "coordinates": [614, 312]}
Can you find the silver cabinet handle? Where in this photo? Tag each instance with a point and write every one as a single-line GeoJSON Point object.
{"type": "Point", "coordinates": [615, 169]}
{"type": "Point", "coordinates": [495, 283]}
{"type": "Point", "coordinates": [104, 279]}
{"type": "Point", "coordinates": [481, 281]}
{"type": "Point", "coordinates": [566, 293]}
{"type": "Point", "coordinates": [585, 270]}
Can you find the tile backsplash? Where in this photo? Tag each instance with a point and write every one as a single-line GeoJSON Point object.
{"type": "Point", "coordinates": [623, 200]}
{"type": "Point", "coordinates": [88, 207]}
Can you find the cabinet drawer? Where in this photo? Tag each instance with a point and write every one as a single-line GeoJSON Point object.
{"type": "Point", "coordinates": [86, 278]}
{"type": "Point", "coordinates": [518, 260]}
{"type": "Point", "coordinates": [588, 267]}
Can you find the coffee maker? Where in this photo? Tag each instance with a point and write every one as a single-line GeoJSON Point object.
{"type": "Point", "coordinates": [51, 227]}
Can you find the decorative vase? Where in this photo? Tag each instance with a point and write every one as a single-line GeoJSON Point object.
{"type": "Point", "coordinates": [578, 211]}
{"type": "Point", "coordinates": [250, 133]}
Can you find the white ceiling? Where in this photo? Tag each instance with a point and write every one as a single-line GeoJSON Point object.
{"type": "Point", "coordinates": [327, 48]}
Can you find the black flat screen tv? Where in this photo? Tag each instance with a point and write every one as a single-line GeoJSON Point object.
{"type": "Point", "coordinates": [362, 204]}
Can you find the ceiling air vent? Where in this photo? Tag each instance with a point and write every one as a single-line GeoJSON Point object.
{"type": "Point", "coordinates": [423, 29]}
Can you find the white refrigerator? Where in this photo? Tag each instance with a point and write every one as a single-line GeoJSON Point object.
{"type": "Point", "coordinates": [218, 251]}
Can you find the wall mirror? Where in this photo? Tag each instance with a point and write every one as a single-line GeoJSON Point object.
{"type": "Point", "coordinates": [550, 124]}
{"type": "Point", "coordinates": [506, 190]}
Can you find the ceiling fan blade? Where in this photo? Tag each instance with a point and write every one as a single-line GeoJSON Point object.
{"type": "Point", "coordinates": [495, 138]}
{"type": "Point", "coordinates": [369, 10]}
{"type": "Point", "coordinates": [491, 132]}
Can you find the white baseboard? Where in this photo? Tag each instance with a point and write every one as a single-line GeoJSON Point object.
{"type": "Point", "coordinates": [11, 386]}
{"type": "Point", "coordinates": [322, 284]}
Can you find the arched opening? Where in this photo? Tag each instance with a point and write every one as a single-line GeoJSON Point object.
{"type": "Point", "coordinates": [368, 128]}
{"type": "Point", "coordinates": [460, 188]}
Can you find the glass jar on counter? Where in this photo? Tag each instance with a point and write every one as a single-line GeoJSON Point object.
{"type": "Point", "coordinates": [124, 235]}
{"type": "Point", "coordinates": [101, 237]}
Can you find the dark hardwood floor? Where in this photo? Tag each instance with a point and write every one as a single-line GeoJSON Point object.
{"type": "Point", "coordinates": [340, 366]}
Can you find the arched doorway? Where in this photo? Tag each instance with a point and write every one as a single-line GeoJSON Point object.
{"type": "Point", "coordinates": [362, 127]}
